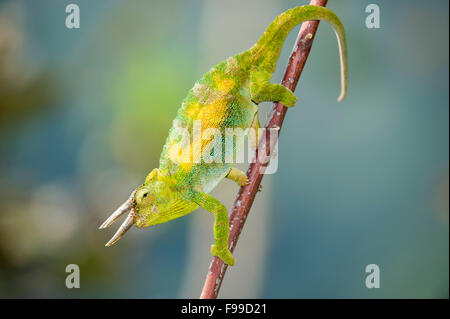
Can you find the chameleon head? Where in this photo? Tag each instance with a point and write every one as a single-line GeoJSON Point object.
{"type": "Point", "coordinates": [150, 202]}
{"type": "Point", "coordinates": [148, 205]}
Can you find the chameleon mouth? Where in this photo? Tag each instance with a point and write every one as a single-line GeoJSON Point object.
{"type": "Point", "coordinates": [126, 225]}
{"type": "Point", "coordinates": [146, 218]}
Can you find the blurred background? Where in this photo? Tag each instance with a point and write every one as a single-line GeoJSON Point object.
{"type": "Point", "coordinates": [84, 114]}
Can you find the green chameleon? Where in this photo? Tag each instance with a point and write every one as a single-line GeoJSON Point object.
{"type": "Point", "coordinates": [226, 97]}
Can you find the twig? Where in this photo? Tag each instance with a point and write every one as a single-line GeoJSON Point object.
{"type": "Point", "coordinates": [255, 173]}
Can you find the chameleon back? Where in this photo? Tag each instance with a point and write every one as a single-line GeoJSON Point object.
{"type": "Point", "coordinates": [218, 103]}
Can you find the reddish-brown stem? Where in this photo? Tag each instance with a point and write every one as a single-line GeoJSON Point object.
{"type": "Point", "coordinates": [246, 195]}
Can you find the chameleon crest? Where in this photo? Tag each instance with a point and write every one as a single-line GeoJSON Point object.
{"type": "Point", "coordinates": [226, 97]}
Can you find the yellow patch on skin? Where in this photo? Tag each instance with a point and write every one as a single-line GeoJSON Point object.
{"type": "Point", "coordinates": [181, 155]}
{"type": "Point", "coordinates": [213, 114]}
{"type": "Point", "coordinates": [186, 166]}
{"type": "Point", "coordinates": [223, 84]}
{"type": "Point", "coordinates": [210, 116]}
{"type": "Point", "coordinates": [193, 110]}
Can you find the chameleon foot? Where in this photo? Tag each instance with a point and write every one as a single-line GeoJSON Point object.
{"type": "Point", "coordinates": [223, 254]}
{"type": "Point", "coordinates": [288, 99]}
{"type": "Point", "coordinates": [238, 176]}
{"type": "Point", "coordinates": [243, 180]}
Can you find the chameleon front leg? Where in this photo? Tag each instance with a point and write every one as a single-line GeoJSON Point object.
{"type": "Point", "coordinates": [238, 176]}
{"type": "Point", "coordinates": [221, 225]}
{"type": "Point", "coordinates": [261, 90]}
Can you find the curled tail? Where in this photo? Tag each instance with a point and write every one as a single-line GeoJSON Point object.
{"type": "Point", "coordinates": [264, 54]}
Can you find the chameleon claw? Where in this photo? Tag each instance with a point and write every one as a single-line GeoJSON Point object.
{"type": "Point", "coordinates": [238, 176]}
{"type": "Point", "coordinates": [243, 181]}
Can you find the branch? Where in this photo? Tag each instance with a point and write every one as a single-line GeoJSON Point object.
{"type": "Point", "coordinates": [255, 173]}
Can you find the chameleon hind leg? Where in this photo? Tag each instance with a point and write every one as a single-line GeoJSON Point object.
{"type": "Point", "coordinates": [261, 90]}
{"type": "Point", "coordinates": [221, 225]}
{"type": "Point", "coordinates": [238, 176]}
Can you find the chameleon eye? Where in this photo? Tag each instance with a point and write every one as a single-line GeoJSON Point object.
{"type": "Point", "coordinates": [145, 196]}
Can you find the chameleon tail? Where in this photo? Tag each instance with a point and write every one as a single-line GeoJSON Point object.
{"type": "Point", "coordinates": [266, 51]}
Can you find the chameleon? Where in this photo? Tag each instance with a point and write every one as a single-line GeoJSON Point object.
{"type": "Point", "coordinates": [227, 96]}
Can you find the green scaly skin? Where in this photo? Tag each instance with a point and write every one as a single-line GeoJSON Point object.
{"type": "Point", "coordinates": [226, 97]}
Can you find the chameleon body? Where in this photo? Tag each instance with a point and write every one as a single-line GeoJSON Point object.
{"type": "Point", "coordinates": [225, 97]}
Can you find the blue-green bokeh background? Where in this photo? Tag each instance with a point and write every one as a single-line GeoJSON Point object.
{"type": "Point", "coordinates": [84, 114]}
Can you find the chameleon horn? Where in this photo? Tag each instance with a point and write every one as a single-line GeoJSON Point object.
{"type": "Point", "coordinates": [125, 207]}
{"type": "Point", "coordinates": [122, 229]}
